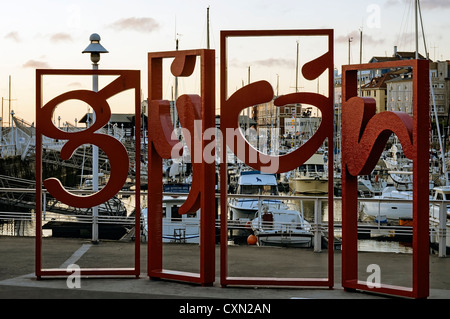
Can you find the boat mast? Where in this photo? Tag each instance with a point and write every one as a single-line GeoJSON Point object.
{"type": "Point", "coordinates": [360, 59]}
{"type": "Point", "coordinates": [207, 28]}
{"type": "Point", "coordinates": [175, 115]}
{"type": "Point", "coordinates": [9, 102]}
{"type": "Point", "coordinates": [296, 91]}
{"type": "Point", "coordinates": [419, 12]}
{"type": "Point", "coordinates": [416, 7]}
{"type": "Point", "coordinates": [296, 71]}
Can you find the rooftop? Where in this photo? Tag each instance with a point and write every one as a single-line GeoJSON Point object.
{"type": "Point", "coordinates": [380, 82]}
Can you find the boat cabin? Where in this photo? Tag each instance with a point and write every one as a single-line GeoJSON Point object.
{"type": "Point", "coordinates": [315, 164]}
{"type": "Point", "coordinates": [257, 183]}
{"type": "Point", "coordinates": [441, 193]}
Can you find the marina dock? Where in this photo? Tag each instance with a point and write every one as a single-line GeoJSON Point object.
{"type": "Point", "coordinates": [17, 279]}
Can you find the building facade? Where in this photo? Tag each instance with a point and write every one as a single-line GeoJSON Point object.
{"type": "Point", "coordinates": [400, 92]}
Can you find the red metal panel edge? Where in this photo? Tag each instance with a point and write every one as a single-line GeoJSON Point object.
{"type": "Point", "coordinates": [420, 273]}
{"type": "Point", "coordinates": [38, 240]}
{"type": "Point", "coordinates": [224, 278]}
{"type": "Point", "coordinates": [39, 271]}
{"type": "Point", "coordinates": [113, 272]}
{"type": "Point", "coordinates": [206, 277]}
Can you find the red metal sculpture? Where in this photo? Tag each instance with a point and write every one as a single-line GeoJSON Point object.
{"type": "Point", "coordinates": [116, 152]}
{"type": "Point", "coordinates": [262, 92]}
{"type": "Point", "coordinates": [364, 135]}
{"type": "Point", "coordinates": [192, 109]}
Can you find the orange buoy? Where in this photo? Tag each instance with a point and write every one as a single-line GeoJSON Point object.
{"type": "Point", "coordinates": [251, 240]}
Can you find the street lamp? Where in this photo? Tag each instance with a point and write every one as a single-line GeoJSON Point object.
{"type": "Point", "coordinates": [95, 49]}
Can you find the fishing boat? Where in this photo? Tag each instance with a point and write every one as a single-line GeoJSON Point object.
{"type": "Point", "coordinates": [281, 227]}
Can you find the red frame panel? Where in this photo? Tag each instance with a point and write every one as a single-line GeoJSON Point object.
{"type": "Point", "coordinates": [420, 151]}
{"type": "Point", "coordinates": [202, 193]}
{"type": "Point", "coordinates": [128, 79]}
{"type": "Point", "coordinates": [262, 92]}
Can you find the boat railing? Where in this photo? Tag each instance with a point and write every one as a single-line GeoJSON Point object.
{"type": "Point", "coordinates": [283, 226]}
{"type": "Point", "coordinates": [48, 216]}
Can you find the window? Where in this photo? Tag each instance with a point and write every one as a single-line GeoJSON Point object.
{"type": "Point", "coordinates": [192, 215]}
{"type": "Point", "coordinates": [174, 213]}
{"type": "Point", "coordinates": [259, 189]}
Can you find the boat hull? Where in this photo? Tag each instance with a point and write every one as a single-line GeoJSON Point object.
{"type": "Point", "coordinates": [246, 208]}
{"type": "Point", "coordinates": [387, 210]}
{"type": "Point", "coordinates": [290, 239]}
{"type": "Point", "coordinates": [309, 186]}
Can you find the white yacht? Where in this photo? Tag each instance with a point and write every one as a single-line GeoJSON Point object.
{"type": "Point", "coordinates": [273, 221]}
{"type": "Point", "coordinates": [387, 205]}
{"type": "Point", "coordinates": [252, 183]}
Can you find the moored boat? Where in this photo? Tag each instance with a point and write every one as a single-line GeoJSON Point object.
{"type": "Point", "coordinates": [282, 227]}
{"type": "Point", "coordinates": [311, 177]}
{"type": "Point", "coordinates": [253, 183]}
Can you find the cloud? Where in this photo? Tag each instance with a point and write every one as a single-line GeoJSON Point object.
{"type": "Point", "coordinates": [13, 35]}
{"type": "Point", "coordinates": [435, 4]}
{"type": "Point", "coordinates": [367, 39]}
{"type": "Point", "coordinates": [61, 37]}
{"type": "Point", "coordinates": [270, 62]}
{"type": "Point", "coordinates": [75, 85]}
{"type": "Point", "coordinates": [406, 39]}
{"type": "Point", "coordinates": [36, 64]}
{"type": "Point", "coordinates": [136, 24]}
{"type": "Point", "coordinates": [393, 2]}
{"type": "Point", "coordinates": [424, 4]}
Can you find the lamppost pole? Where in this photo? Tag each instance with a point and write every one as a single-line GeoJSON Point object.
{"type": "Point", "coordinates": [95, 48]}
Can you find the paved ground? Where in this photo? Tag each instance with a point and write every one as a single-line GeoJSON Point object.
{"type": "Point", "coordinates": [17, 279]}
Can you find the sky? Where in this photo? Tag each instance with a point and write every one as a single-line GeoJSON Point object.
{"type": "Point", "coordinates": [53, 33]}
